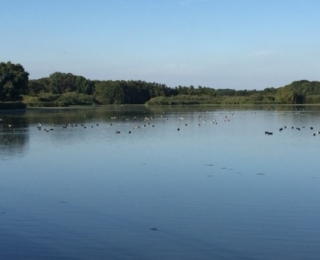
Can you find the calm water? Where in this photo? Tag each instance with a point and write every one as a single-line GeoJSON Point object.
{"type": "Point", "coordinates": [218, 188]}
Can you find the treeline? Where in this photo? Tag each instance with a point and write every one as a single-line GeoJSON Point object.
{"type": "Point", "coordinates": [298, 92]}
{"type": "Point", "coordinates": [68, 89]}
{"type": "Point", "coordinates": [63, 89]}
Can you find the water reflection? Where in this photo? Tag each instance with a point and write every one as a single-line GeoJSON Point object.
{"type": "Point", "coordinates": [71, 125]}
{"type": "Point", "coordinates": [217, 189]}
{"type": "Point", "coordinates": [14, 135]}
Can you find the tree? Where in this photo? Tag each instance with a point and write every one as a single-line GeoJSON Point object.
{"type": "Point", "coordinates": [61, 83]}
{"type": "Point", "coordinates": [13, 81]}
{"type": "Point", "coordinates": [82, 85]}
{"type": "Point", "coordinates": [109, 92]}
{"type": "Point", "coordinates": [34, 88]}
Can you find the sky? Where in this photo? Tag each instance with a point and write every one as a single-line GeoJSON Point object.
{"type": "Point", "coordinates": [237, 44]}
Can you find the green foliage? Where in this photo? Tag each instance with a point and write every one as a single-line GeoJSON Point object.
{"type": "Point", "coordinates": [269, 91]}
{"type": "Point", "coordinates": [297, 92]}
{"type": "Point", "coordinates": [74, 98]}
{"type": "Point", "coordinates": [43, 100]}
{"type": "Point", "coordinates": [313, 99]}
{"type": "Point", "coordinates": [237, 100]}
{"type": "Point", "coordinates": [13, 81]}
{"type": "Point", "coordinates": [37, 86]}
{"type": "Point", "coordinates": [140, 92]}
{"type": "Point", "coordinates": [268, 98]}
{"type": "Point", "coordinates": [184, 100]}
{"type": "Point", "coordinates": [63, 89]}
{"type": "Point", "coordinates": [59, 83]}
{"type": "Point", "coordinates": [55, 100]}
{"type": "Point", "coordinates": [66, 82]}
{"type": "Point", "coordinates": [48, 97]}
{"type": "Point", "coordinates": [109, 92]}
{"type": "Point", "coordinates": [256, 98]}
{"type": "Point", "coordinates": [83, 86]}
{"type": "Point", "coordinates": [29, 100]}
{"type": "Point", "coordinates": [34, 88]}
{"type": "Point", "coordinates": [128, 92]}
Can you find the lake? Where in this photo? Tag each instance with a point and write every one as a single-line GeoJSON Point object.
{"type": "Point", "coordinates": [132, 182]}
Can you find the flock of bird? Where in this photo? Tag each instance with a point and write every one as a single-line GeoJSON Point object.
{"type": "Point", "coordinates": [148, 121]}
{"type": "Point", "coordinates": [135, 125]}
{"type": "Point", "coordinates": [65, 126]}
{"type": "Point", "coordinates": [82, 125]}
{"type": "Point", "coordinates": [296, 128]}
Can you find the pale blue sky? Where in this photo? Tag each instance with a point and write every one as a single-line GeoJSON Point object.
{"type": "Point", "coordinates": [239, 44]}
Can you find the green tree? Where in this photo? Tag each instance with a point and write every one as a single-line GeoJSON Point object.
{"type": "Point", "coordinates": [109, 92]}
{"type": "Point", "coordinates": [61, 83]}
{"type": "Point", "coordinates": [82, 85]}
{"type": "Point", "coordinates": [34, 87]}
{"type": "Point", "coordinates": [13, 81]}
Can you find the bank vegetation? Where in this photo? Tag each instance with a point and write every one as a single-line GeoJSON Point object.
{"type": "Point", "coordinates": [64, 89]}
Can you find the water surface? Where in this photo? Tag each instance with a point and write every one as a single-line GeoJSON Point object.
{"type": "Point", "coordinates": [131, 182]}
